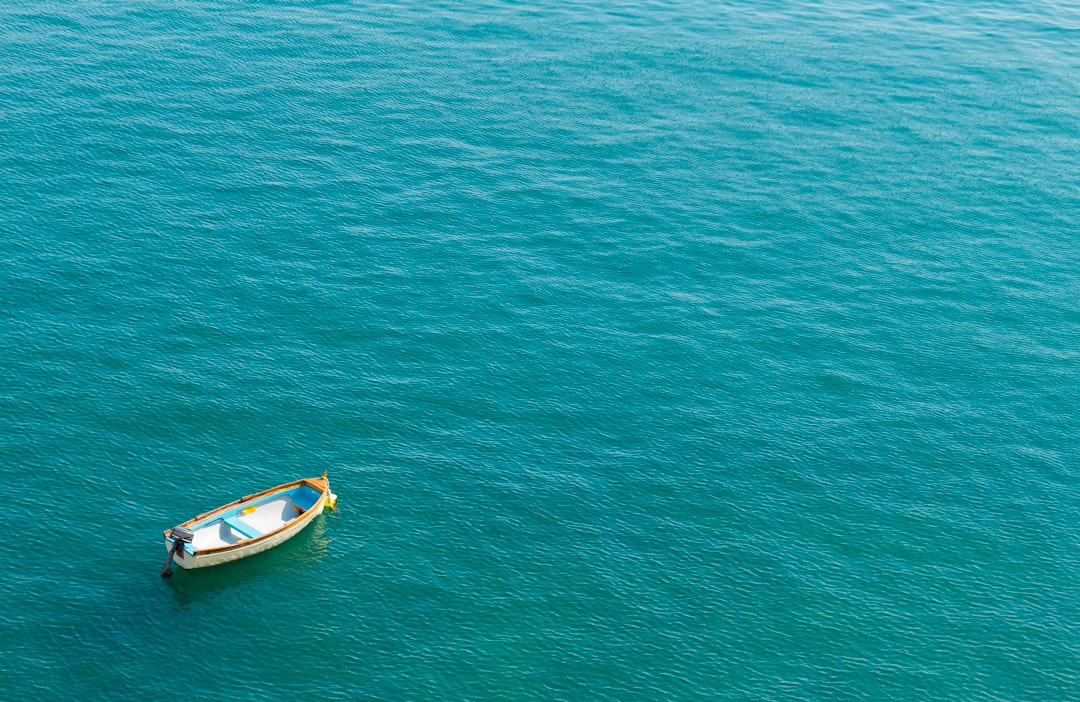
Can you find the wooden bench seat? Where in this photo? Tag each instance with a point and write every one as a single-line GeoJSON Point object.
{"type": "Point", "coordinates": [241, 528]}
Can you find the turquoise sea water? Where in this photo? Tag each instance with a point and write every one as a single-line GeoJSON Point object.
{"type": "Point", "coordinates": [656, 350]}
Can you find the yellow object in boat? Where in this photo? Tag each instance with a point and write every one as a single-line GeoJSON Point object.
{"type": "Point", "coordinates": [248, 510]}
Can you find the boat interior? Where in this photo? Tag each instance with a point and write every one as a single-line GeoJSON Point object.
{"type": "Point", "coordinates": [252, 519]}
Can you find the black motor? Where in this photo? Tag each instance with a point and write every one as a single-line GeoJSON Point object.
{"type": "Point", "coordinates": [183, 534]}
{"type": "Point", "coordinates": [180, 536]}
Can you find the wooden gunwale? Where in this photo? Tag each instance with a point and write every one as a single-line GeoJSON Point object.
{"type": "Point", "coordinates": [319, 484]}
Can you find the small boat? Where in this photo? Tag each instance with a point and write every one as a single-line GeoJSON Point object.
{"type": "Point", "coordinates": [247, 526]}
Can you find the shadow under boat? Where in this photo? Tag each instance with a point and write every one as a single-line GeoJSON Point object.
{"type": "Point", "coordinates": [298, 553]}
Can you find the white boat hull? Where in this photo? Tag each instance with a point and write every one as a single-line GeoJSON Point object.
{"type": "Point", "coordinates": [189, 558]}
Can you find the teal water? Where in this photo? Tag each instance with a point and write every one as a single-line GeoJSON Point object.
{"type": "Point", "coordinates": [656, 350]}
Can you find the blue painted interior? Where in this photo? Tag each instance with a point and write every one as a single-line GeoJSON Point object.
{"type": "Point", "coordinates": [305, 497]}
{"type": "Point", "coordinates": [241, 528]}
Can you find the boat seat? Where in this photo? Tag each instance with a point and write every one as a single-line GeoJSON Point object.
{"type": "Point", "coordinates": [241, 528]}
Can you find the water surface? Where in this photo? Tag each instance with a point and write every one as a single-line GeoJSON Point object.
{"type": "Point", "coordinates": [656, 350]}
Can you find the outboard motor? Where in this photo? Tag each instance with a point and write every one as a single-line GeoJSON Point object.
{"type": "Point", "coordinates": [180, 536]}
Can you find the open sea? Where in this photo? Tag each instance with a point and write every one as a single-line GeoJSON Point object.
{"type": "Point", "coordinates": [656, 350]}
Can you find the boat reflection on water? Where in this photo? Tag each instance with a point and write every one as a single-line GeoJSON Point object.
{"type": "Point", "coordinates": [298, 553]}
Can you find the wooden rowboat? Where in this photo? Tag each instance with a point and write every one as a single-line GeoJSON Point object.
{"type": "Point", "coordinates": [247, 526]}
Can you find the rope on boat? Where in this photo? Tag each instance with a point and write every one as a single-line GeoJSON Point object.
{"type": "Point", "coordinates": [180, 536]}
